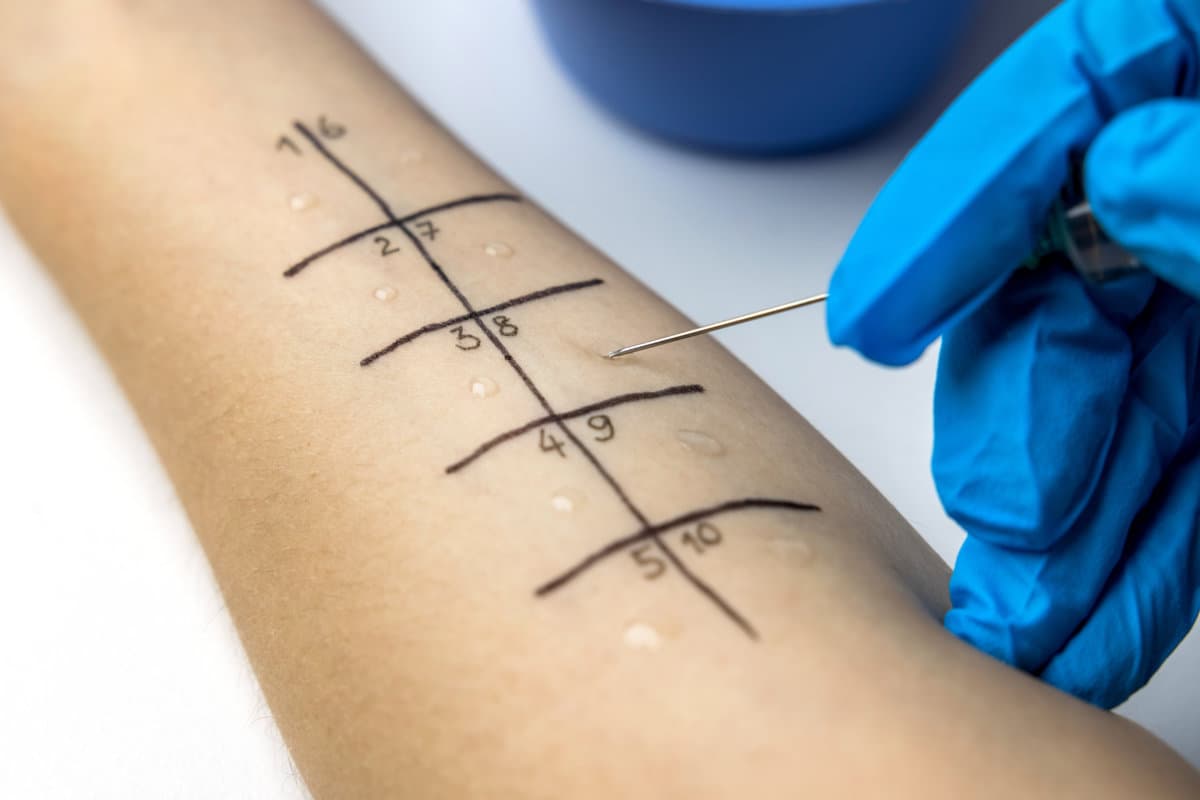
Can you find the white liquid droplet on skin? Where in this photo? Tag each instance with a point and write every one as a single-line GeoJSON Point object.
{"type": "Point", "coordinates": [498, 250]}
{"type": "Point", "coordinates": [700, 443]}
{"type": "Point", "coordinates": [302, 201]}
{"type": "Point", "coordinates": [640, 636]}
{"type": "Point", "coordinates": [565, 501]}
{"type": "Point", "coordinates": [385, 293]}
{"type": "Point", "coordinates": [484, 387]}
{"type": "Point", "coordinates": [797, 551]}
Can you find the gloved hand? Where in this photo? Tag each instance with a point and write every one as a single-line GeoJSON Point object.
{"type": "Point", "coordinates": [1065, 435]}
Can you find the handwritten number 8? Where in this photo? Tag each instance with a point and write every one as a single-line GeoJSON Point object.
{"type": "Point", "coordinates": [505, 327]}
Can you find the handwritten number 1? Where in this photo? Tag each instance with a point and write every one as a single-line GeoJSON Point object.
{"type": "Point", "coordinates": [285, 143]}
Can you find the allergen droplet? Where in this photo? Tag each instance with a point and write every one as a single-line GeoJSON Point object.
{"type": "Point", "coordinates": [797, 551]}
{"type": "Point", "coordinates": [302, 201]}
{"type": "Point", "coordinates": [700, 443]}
{"type": "Point", "coordinates": [640, 636]}
{"type": "Point", "coordinates": [498, 250]}
{"type": "Point", "coordinates": [385, 293]}
{"type": "Point", "coordinates": [484, 387]}
{"type": "Point", "coordinates": [566, 501]}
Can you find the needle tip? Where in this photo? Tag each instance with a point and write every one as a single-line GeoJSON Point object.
{"type": "Point", "coordinates": [613, 354]}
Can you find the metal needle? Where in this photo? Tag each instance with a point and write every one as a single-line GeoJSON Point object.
{"type": "Point", "coordinates": [716, 326]}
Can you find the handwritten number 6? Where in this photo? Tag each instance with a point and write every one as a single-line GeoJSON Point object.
{"type": "Point", "coordinates": [330, 130]}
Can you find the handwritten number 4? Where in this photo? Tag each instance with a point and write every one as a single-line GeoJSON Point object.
{"type": "Point", "coordinates": [548, 442]}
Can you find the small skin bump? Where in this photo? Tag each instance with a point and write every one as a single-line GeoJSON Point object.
{"type": "Point", "coordinates": [302, 201]}
{"type": "Point", "coordinates": [699, 443]}
{"type": "Point", "coordinates": [484, 387]}
{"type": "Point", "coordinates": [641, 636]}
{"type": "Point", "coordinates": [566, 501]}
{"type": "Point", "coordinates": [796, 550]}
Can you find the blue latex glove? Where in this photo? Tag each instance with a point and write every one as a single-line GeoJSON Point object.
{"type": "Point", "coordinates": [1065, 414]}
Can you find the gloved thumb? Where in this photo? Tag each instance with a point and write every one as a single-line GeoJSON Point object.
{"type": "Point", "coordinates": [1142, 176]}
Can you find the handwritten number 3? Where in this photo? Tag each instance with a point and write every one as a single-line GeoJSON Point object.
{"type": "Point", "coordinates": [465, 341]}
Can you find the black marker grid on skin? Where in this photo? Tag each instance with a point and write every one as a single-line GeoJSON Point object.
{"type": "Point", "coordinates": [646, 532]}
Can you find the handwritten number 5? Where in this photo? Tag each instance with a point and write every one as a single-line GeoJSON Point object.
{"type": "Point", "coordinates": [651, 565]}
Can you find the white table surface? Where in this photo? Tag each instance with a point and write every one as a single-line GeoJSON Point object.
{"type": "Point", "coordinates": [120, 673]}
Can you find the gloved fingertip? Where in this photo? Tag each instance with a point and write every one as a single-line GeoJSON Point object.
{"type": "Point", "coordinates": [851, 325]}
{"type": "Point", "coordinates": [1140, 178]}
{"type": "Point", "coordinates": [983, 633]}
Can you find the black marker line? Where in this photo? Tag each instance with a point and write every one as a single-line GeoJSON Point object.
{"type": "Point", "coordinates": [299, 266]}
{"type": "Point", "coordinates": [617, 545]}
{"type": "Point", "coordinates": [345, 170]}
{"type": "Point", "coordinates": [690, 576]}
{"type": "Point", "coordinates": [619, 490]}
{"type": "Point", "coordinates": [591, 408]}
{"type": "Point", "coordinates": [462, 201]}
{"type": "Point", "coordinates": [446, 323]}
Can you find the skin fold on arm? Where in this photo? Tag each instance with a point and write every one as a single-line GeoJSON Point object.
{"type": "Point", "coordinates": [467, 556]}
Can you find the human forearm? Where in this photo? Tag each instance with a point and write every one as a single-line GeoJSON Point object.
{"type": "Point", "coordinates": [390, 606]}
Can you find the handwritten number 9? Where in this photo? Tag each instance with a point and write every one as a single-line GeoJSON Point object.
{"type": "Point", "coordinates": [602, 424]}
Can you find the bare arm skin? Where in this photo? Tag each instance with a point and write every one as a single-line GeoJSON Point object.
{"type": "Point", "coordinates": [486, 562]}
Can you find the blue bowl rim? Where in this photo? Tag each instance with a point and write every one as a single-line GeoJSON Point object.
{"type": "Point", "coordinates": [773, 6]}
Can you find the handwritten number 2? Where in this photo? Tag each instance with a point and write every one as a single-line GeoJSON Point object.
{"type": "Point", "coordinates": [386, 248]}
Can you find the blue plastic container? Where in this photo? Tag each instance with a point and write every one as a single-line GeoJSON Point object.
{"type": "Point", "coordinates": [754, 76]}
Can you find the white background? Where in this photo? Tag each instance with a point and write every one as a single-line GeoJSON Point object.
{"type": "Point", "coordinates": [120, 674]}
